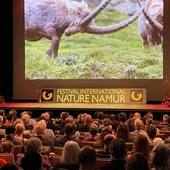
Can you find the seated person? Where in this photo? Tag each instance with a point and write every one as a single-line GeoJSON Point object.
{"type": "Point", "coordinates": [10, 131]}
{"type": "Point", "coordinates": [87, 158]}
{"type": "Point", "coordinates": [69, 131]}
{"type": "Point", "coordinates": [84, 127]}
{"type": "Point", "coordinates": [32, 158]}
{"type": "Point", "coordinates": [138, 129]}
{"type": "Point", "coordinates": [93, 132]}
{"type": "Point", "coordinates": [118, 153]}
{"type": "Point", "coordinates": [137, 162]}
{"type": "Point", "coordinates": [105, 152]}
{"type": "Point", "coordinates": [69, 156]}
{"type": "Point", "coordinates": [7, 146]}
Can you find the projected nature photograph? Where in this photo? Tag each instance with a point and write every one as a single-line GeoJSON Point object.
{"type": "Point", "coordinates": [93, 39]}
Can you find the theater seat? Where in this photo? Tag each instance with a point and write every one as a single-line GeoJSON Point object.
{"type": "Point", "coordinates": [9, 157]}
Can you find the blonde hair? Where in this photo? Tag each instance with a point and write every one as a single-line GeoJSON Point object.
{"type": "Point", "coordinates": [70, 152]}
{"type": "Point", "coordinates": [19, 128]}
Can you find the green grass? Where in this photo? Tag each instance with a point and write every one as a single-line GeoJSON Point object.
{"type": "Point", "coordinates": [118, 55]}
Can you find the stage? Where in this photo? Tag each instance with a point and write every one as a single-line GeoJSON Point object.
{"type": "Point", "coordinates": [75, 108]}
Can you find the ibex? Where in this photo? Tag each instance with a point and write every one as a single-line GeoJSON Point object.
{"type": "Point", "coordinates": [151, 23]}
{"type": "Point", "coordinates": [51, 18]}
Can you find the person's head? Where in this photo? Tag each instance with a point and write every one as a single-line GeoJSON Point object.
{"type": "Point", "coordinates": [13, 112]}
{"type": "Point", "coordinates": [87, 158]}
{"type": "Point", "coordinates": [39, 129]}
{"type": "Point", "coordinates": [149, 121]}
{"type": "Point", "coordinates": [107, 140]}
{"type": "Point", "coordinates": [64, 115]}
{"type": "Point", "coordinates": [10, 131]}
{"type": "Point", "coordinates": [167, 141]}
{"type": "Point", "coordinates": [122, 116]}
{"type": "Point", "coordinates": [93, 129]}
{"type": "Point", "coordinates": [141, 144]}
{"type": "Point", "coordinates": [9, 117]}
{"type": "Point", "coordinates": [106, 122]}
{"type": "Point", "coordinates": [46, 116]}
{"type": "Point", "coordinates": [137, 162]}
{"type": "Point", "coordinates": [161, 155]}
{"type": "Point", "coordinates": [80, 117]}
{"type": "Point", "coordinates": [87, 120]}
{"type": "Point", "coordinates": [18, 120]}
{"type": "Point", "coordinates": [33, 145]}
{"type": "Point", "coordinates": [149, 115]}
{"type": "Point", "coordinates": [1, 120]}
{"type": "Point", "coordinates": [19, 128]}
{"type": "Point", "coordinates": [69, 119]}
{"type": "Point", "coordinates": [118, 149]}
{"type": "Point", "coordinates": [138, 124]}
{"type": "Point", "coordinates": [69, 129]}
{"type": "Point", "coordinates": [130, 124]}
{"type": "Point", "coordinates": [99, 115]}
{"type": "Point", "coordinates": [42, 123]}
{"type": "Point", "coordinates": [151, 131]}
{"type": "Point", "coordinates": [122, 131]}
{"type": "Point", "coordinates": [25, 118]}
{"type": "Point", "coordinates": [26, 134]}
{"type": "Point", "coordinates": [70, 152]}
{"type": "Point", "coordinates": [2, 112]}
{"type": "Point", "coordinates": [165, 118]}
{"type": "Point", "coordinates": [7, 146]}
{"type": "Point", "coordinates": [137, 115]}
{"type": "Point", "coordinates": [9, 166]}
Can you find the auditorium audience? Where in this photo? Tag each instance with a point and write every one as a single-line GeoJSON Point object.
{"type": "Point", "coordinates": [87, 158]}
{"type": "Point", "coordinates": [69, 157]}
{"type": "Point", "coordinates": [118, 153]}
{"type": "Point", "coordinates": [121, 131]}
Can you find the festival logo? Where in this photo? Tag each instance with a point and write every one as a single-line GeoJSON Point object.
{"type": "Point", "coordinates": [136, 96]}
{"type": "Point", "coordinates": [47, 95]}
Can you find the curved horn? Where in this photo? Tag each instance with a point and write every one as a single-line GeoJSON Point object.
{"type": "Point", "coordinates": [153, 22]}
{"type": "Point", "coordinates": [112, 28]}
{"type": "Point", "coordinates": [94, 13]}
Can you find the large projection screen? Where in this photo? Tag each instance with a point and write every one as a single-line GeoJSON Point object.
{"type": "Point", "coordinates": [84, 60]}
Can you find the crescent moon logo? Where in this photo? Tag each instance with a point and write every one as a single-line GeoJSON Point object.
{"type": "Point", "coordinates": [50, 95]}
{"type": "Point", "coordinates": [139, 96]}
